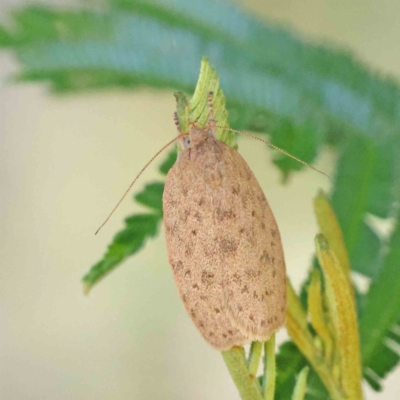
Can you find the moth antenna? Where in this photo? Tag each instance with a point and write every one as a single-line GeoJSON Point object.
{"type": "Point", "coordinates": [274, 147]}
{"type": "Point", "coordinates": [137, 177]}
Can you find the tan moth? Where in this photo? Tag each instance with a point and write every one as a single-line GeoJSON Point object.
{"type": "Point", "coordinates": [223, 243]}
{"type": "Point", "coordinates": [222, 239]}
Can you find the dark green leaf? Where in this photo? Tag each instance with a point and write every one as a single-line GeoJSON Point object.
{"type": "Point", "coordinates": [360, 301]}
{"type": "Point", "coordinates": [394, 334]}
{"type": "Point", "coordinates": [382, 193]}
{"type": "Point", "coordinates": [151, 196]}
{"type": "Point", "coordinates": [301, 142]}
{"type": "Point", "coordinates": [315, 388]}
{"type": "Point", "coordinates": [168, 163]}
{"type": "Point", "coordinates": [372, 380]}
{"type": "Point", "coordinates": [161, 43]}
{"type": "Point", "coordinates": [353, 185]}
{"type": "Point", "coordinates": [381, 311]}
{"type": "Point", "coordinates": [131, 239]}
{"type": "Point", "coordinates": [366, 257]}
{"type": "Point", "coordinates": [5, 38]}
{"type": "Point", "coordinates": [384, 360]}
{"type": "Point", "coordinates": [289, 362]}
{"type": "Point", "coordinates": [358, 182]}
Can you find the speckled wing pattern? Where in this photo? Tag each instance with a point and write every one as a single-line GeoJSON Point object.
{"type": "Point", "coordinates": [224, 246]}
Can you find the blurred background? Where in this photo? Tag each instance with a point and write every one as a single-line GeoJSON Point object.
{"type": "Point", "coordinates": [66, 159]}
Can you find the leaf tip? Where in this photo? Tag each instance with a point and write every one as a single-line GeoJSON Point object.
{"type": "Point", "coordinates": [321, 195]}
{"type": "Point", "coordinates": [86, 288]}
{"type": "Point", "coordinates": [321, 242]}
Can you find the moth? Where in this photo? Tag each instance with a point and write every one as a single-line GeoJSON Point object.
{"type": "Point", "coordinates": [222, 239]}
{"type": "Point", "coordinates": [223, 242]}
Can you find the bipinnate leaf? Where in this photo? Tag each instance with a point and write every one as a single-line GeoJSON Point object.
{"type": "Point", "coordinates": [303, 94]}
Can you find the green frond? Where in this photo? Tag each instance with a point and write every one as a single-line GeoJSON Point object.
{"type": "Point", "coordinates": [380, 335]}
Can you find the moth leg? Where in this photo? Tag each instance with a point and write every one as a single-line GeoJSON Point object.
{"type": "Point", "coordinates": [178, 127]}
{"type": "Point", "coordinates": [211, 122]}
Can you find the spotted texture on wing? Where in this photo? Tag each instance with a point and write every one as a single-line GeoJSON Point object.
{"type": "Point", "coordinates": [223, 245]}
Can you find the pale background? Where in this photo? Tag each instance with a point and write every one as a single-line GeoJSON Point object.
{"type": "Point", "coordinates": [64, 163]}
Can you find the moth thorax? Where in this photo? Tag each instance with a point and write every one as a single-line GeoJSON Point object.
{"type": "Point", "coordinates": [197, 135]}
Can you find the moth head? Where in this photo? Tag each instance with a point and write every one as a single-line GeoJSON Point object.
{"type": "Point", "coordinates": [197, 136]}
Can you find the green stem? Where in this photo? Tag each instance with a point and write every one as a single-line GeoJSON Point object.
{"type": "Point", "coordinates": [269, 369]}
{"type": "Point", "coordinates": [254, 357]}
{"type": "Point", "coordinates": [246, 384]}
{"type": "Point", "coordinates": [301, 385]}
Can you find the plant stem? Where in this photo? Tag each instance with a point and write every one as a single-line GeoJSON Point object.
{"type": "Point", "coordinates": [269, 369]}
{"type": "Point", "coordinates": [246, 384]}
{"type": "Point", "coordinates": [254, 357]}
{"type": "Point", "coordinates": [301, 385]}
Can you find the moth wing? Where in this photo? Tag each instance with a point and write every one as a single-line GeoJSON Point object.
{"type": "Point", "coordinates": [251, 253]}
{"type": "Point", "coordinates": [192, 251]}
{"type": "Point", "coordinates": [224, 247]}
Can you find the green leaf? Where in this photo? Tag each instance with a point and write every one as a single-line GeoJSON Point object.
{"type": "Point", "coordinates": [382, 193]}
{"type": "Point", "coordinates": [366, 257]}
{"type": "Point", "coordinates": [290, 362]}
{"type": "Point", "coordinates": [290, 81]}
{"type": "Point", "coordinates": [168, 163]}
{"type": "Point", "coordinates": [5, 38]}
{"type": "Point", "coordinates": [138, 229]}
{"type": "Point", "coordinates": [364, 184]}
{"type": "Point", "coordinates": [381, 312]}
{"type": "Point", "coordinates": [151, 196]}
{"type": "Point", "coordinates": [302, 141]}
{"type": "Point", "coordinates": [372, 380]}
{"type": "Point", "coordinates": [355, 172]}
{"type": "Point", "coordinates": [315, 388]}
{"type": "Point", "coordinates": [384, 360]}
